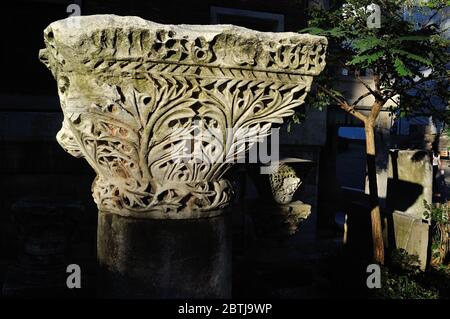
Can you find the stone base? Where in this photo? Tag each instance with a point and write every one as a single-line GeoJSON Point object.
{"type": "Point", "coordinates": [144, 258]}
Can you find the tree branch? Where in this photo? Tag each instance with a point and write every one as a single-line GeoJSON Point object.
{"type": "Point", "coordinates": [396, 103]}
{"type": "Point", "coordinates": [413, 84]}
{"type": "Point", "coordinates": [375, 94]}
{"type": "Point", "coordinates": [350, 109]}
{"type": "Point", "coordinates": [360, 98]}
{"type": "Point", "coordinates": [375, 110]}
{"type": "Point", "coordinates": [344, 105]}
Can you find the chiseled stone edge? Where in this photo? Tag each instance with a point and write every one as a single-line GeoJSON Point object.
{"type": "Point", "coordinates": [86, 42]}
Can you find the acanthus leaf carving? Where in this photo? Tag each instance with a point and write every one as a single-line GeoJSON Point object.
{"type": "Point", "coordinates": [162, 112]}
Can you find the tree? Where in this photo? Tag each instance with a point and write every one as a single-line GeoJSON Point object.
{"type": "Point", "coordinates": [407, 63]}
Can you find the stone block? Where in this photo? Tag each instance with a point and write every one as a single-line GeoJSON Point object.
{"type": "Point", "coordinates": [411, 234]}
{"type": "Point", "coordinates": [409, 185]}
{"type": "Point", "coordinates": [409, 182]}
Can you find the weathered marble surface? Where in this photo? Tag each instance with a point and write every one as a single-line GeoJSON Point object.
{"type": "Point", "coordinates": [284, 182]}
{"type": "Point", "coordinates": [135, 94]}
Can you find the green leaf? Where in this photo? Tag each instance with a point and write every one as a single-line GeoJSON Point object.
{"type": "Point", "coordinates": [314, 31]}
{"type": "Point", "coordinates": [336, 32]}
{"type": "Point", "coordinates": [336, 93]}
{"type": "Point", "coordinates": [401, 68]}
{"type": "Point", "coordinates": [412, 38]}
{"type": "Point", "coordinates": [367, 43]}
{"type": "Point", "coordinates": [366, 59]}
{"type": "Point", "coordinates": [289, 127]}
{"type": "Point", "coordinates": [412, 56]}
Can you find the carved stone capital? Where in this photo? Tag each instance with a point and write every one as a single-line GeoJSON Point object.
{"type": "Point", "coordinates": [134, 93]}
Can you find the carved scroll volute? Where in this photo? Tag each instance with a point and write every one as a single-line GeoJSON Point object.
{"type": "Point", "coordinates": [136, 94]}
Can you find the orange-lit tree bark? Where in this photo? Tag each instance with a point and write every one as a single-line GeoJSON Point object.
{"type": "Point", "coordinates": [369, 122]}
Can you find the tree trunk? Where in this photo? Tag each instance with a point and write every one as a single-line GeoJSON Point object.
{"type": "Point", "coordinates": [375, 216]}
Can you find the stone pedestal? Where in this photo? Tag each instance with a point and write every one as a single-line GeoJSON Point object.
{"type": "Point", "coordinates": [145, 258]}
{"type": "Point", "coordinates": [161, 113]}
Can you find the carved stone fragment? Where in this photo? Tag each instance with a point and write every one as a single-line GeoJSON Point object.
{"type": "Point", "coordinates": [136, 94]}
{"type": "Point", "coordinates": [284, 182]}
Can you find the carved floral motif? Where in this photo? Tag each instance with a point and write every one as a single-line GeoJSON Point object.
{"type": "Point", "coordinates": [135, 96]}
